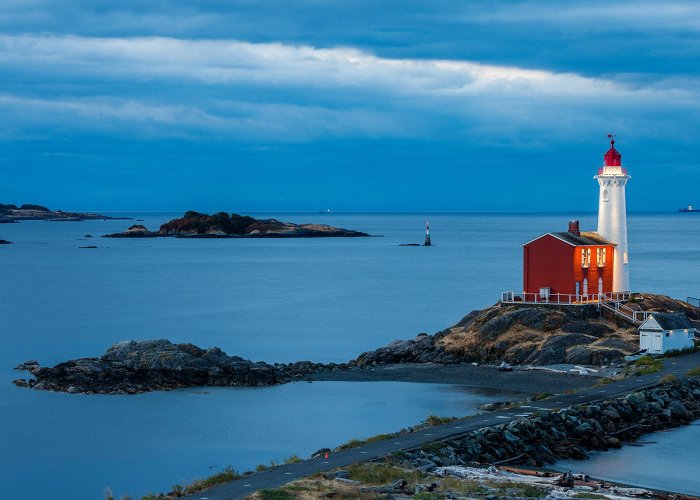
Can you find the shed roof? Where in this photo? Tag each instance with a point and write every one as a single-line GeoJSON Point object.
{"type": "Point", "coordinates": [585, 238]}
{"type": "Point", "coordinates": [671, 321]}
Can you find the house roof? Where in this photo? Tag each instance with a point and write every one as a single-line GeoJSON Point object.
{"type": "Point", "coordinates": [585, 238]}
{"type": "Point", "coordinates": [671, 321]}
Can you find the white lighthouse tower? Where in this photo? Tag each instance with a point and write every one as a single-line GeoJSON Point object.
{"type": "Point", "coordinates": [612, 213]}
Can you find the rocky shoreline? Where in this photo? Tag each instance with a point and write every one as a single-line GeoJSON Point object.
{"type": "Point", "coordinates": [223, 225]}
{"type": "Point", "coordinates": [473, 464]}
{"type": "Point", "coordinates": [574, 335]}
{"type": "Point", "coordinates": [10, 213]}
{"type": "Point", "coordinates": [567, 433]}
{"type": "Point", "coordinates": [135, 367]}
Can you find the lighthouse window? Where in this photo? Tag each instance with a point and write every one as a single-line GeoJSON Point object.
{"type": "Point", "coordinates": [605, 195]}
{"type": "Point", "coordinates": [625, 258]}
{"type": "Point", "coordinates": [585, 257]}
{"type": "Point", "coordinates": [600, 257]}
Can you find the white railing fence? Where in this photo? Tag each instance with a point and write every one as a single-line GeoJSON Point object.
{"type": "Point", "coordinates": [510, 297]}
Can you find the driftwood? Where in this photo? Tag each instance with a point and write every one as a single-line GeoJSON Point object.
{"type": "Point", "coordinates": [622, 431]}
{"type": "Point", "coordinates": [509, 460]}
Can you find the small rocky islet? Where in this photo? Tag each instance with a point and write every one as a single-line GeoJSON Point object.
{"type": "Point", "coordinates": [519, 334]}
{"type": "Point", "coordinates": [224, 225]}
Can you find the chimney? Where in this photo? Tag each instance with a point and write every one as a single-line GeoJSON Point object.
{"type": "Point", "coordinates": [574, 228]}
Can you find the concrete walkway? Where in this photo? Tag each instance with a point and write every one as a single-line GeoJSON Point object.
{"type": "Point", "coordinates": [279, 476]}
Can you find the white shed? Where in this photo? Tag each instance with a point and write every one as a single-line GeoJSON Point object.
{"type": "Point", "coordinates": [663, 332]}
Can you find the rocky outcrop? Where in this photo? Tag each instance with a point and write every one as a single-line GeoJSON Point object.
{"type": "Point", "coordinates": [546, 334]}
{"type": "Point", "coordinates": [135, 231]}
{"type": "Point", "coordinates": [5, 242]}
{"type": "Point", "coordinates": [423, 349]}
{"type": "Point", "coordinates": [568, 433]}
{"type": "Point", "coordinates": [14, 213]}
{"type": "Point", "coordinates": [224, 225]}
{"type": "Point", "coordinates": [134, 367]}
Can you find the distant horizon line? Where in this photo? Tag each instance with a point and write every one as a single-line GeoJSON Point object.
{"type": "Point", "coordinates": [348, 212]}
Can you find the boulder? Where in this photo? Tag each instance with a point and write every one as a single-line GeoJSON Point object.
{"type": "Point", "coordinates": [553, 351]}
{"type": "Point", "coordinates": [135, 231]}
{"type": "Point", "coordinates": [587, 328]}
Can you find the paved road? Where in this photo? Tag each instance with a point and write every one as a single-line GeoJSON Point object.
{"type": "Point", "coordinates": [281, 475]}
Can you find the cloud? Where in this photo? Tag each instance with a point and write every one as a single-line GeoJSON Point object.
{"type": "Point", "coordinates": [169, 87]}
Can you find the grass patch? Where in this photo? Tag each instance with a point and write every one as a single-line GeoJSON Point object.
{"type": "Point", "coordinates": [540, 396]}
{"type": "Point", "coordinates": [356, 443]}
{"type": "Point", "coordinates": [522, 491]}
{"type": "Point", "coordinates": [679, 352]}
{"type": "Point", "coordinates": [588, 495]}
{"type": "Point", "coordinates": [605, 381]}
{"type": "Point", "coordinates": [226, 475]}
{"type": "Point", "coordinates": [292, 460]}
{"type": "Point", "coordinates": [646, 365]}
{"type": "Point", "coordinates": [668, 379]}
{"type": "Point", "coordinates": [275, 495]}
{"type": "Point", "coordinates": [382, 474]}
{"type": "Point", "coordinates": [693, 372]}
{"type": "Point", "coordinates": [532, 492]}
{"type": "Point", "coordinates": [435, 420]}
{"type": "Point", "coordinates": [462, 486]}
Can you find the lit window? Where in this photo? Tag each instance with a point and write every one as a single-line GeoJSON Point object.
{"type": "Point", "coordinates": [585, 257]}
{"type": "Point", "coordinates": [601, 255]}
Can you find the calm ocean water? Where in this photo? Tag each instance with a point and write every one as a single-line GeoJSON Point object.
{"type": "Point", "coordinates": [273, 300]}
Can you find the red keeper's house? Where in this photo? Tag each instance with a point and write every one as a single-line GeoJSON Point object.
{"type": "Point", "coordinates": [575, 264]}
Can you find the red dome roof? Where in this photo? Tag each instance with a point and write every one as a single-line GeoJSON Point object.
{"type": "Point", "coordinates": [612, 158]}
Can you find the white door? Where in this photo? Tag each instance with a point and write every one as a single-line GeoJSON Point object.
{"type": "Point", "coordinates": [585, 286]}
{"type": "Point", "coordinates": [656, 342]}
{"type": "Point", "coordinates": [644, 341]}
{"type": "Point", "coordinates": [578, 289]}
{"type": "Point", "coordinates": [600, 285]}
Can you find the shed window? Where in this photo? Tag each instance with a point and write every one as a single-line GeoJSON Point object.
{"type": "Point", "coordinates": [585, 257]}
{"type": "Point", "coordinates": [601, 255]}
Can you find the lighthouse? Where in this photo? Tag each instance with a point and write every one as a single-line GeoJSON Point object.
{"type": "Point", "coordinates": [427, 235]}
{"type": "Point", "coordinates": [612, 213]}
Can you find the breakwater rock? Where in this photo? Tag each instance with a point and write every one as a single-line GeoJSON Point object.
{"type": "Point", "coordinates": [568, 433]}
{"type": "Point", "coordinates": [5, 242]}
{"type": "Point", "coordinates": [134, 367]}
{"type": "Point", "coordinates": [223, 225]}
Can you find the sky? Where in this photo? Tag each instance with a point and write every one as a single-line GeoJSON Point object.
{"type": "Point", "coordinates": [348, 105]}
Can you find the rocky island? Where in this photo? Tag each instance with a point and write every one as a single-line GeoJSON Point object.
{"type": "Point", "coordinates": [10, 213]}
{"type": "Point", "coordinates": [223, 225]}
{"type": "Point", "coordinates": [534, 335]}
